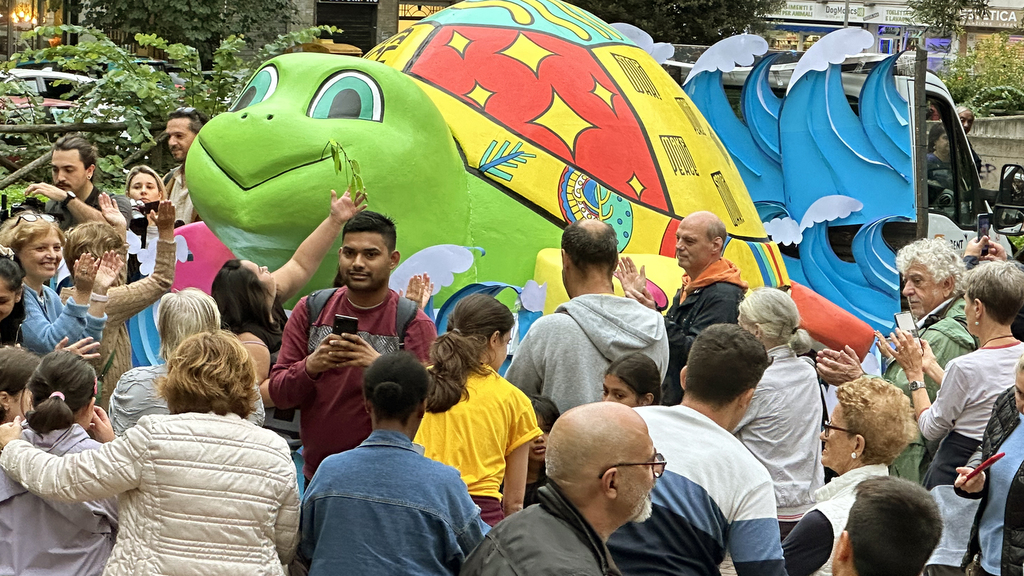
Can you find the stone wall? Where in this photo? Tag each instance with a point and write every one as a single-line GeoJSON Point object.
{"type": "Point", "coordinates": [998, 141]}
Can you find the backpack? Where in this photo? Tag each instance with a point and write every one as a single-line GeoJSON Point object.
{"type": "Point", "coordinates": [407, 309]}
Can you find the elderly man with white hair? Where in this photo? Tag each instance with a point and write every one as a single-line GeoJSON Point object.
{"type": "Point", "coordinates": [932, 274]}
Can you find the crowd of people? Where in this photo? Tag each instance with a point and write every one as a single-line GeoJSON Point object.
{"type": "Point", "coordinates": [714, 437]}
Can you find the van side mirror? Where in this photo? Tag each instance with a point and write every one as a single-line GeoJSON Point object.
{"type": "Point", "coordinates": [1008, 214]}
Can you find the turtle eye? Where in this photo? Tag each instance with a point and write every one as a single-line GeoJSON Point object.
{"type": "Point", "coordinates": [258, 89]}
{"type": "Point", "coordinates": [348, 95]}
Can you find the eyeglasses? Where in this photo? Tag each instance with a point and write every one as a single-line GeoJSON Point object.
{"type": "Point", "coordinates": [34, 218]}
{"type": "Point", "coordinates": [827, 428]}
{"type": "Point", "coordinates": [657, 466]}
{"type": "Point", "coordinates": [185, 110]}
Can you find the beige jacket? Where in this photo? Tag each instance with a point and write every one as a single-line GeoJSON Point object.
{"type": "Point", "coordinates": [198, 494]}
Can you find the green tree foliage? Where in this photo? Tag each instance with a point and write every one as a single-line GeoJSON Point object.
{"type": "Point", "coordinates": [946, 17]}
{"type": "Point", "coordinates": [127, 90]}
{"type": "Point", "coordinates": [990, 77]}
{"type": "Point", "coordinates": [199, 23]}
{"type": "Point", "coordinates": [686, 21]}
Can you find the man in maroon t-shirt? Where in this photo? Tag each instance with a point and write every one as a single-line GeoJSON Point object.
{"type": "Point", "coordinates": [322, 373]}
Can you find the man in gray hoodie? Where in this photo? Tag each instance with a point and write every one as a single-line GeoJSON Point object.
{"type": "Point", "coordinates": [565, 354]}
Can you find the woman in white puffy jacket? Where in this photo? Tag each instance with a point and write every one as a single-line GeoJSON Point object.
{"type": "Point", "coordinates": [201, 491]}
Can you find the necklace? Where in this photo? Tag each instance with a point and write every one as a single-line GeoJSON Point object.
{"type": "Point", "coordinates": [996, 338]}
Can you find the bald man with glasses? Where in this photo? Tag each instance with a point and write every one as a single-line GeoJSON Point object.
{"type": "Point", "coordinates": [601, 467]}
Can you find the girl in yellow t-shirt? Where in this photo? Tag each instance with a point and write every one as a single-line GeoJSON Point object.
{"type": "Point", "coordinates": [476, 421]}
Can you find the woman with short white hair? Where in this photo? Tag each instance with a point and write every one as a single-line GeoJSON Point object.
{"type": "Point", "coordinates": [782, 424]}
{"type": "Point", "coordinates": [180, 315]}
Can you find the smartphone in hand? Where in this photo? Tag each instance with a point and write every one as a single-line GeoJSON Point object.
{"type": "Point", "coordinates": [985, 465]}
{"type": "Point", "coordinates": [984, 226]}
{"type": "Point", "coordinates": [905, 321]}
{"type": "Point", "coordinates": [345, 325]}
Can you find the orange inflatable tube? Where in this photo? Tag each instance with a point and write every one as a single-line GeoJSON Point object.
{"type": "Point", "coordinates": [830, 324]}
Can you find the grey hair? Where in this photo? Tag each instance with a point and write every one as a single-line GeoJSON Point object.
{"type": "Point", "coordinates": [182, 314]}
{"type": "Point", "coordinates": [999, 286]}
{"type": "Point", "coordinates": [776, 314]}
{"type": "Point", "coordinates": [937, 257]}
{"type": "Point", "coordinates": [961, 109]}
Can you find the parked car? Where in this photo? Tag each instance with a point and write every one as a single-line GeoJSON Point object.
{"type": "Point", "coordinates": [51, 84]}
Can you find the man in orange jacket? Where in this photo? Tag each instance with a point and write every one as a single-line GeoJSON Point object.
{"type": "Point", "coordinates": [711, 293]}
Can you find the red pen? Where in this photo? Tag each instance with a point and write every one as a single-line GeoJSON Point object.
{"type": "Point", "coordinates": [984, 465]}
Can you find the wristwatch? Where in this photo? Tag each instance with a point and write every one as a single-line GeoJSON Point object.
{"type": "Point", "coordinates": [67, 199]}
{"type": "Point", "coordinates": [915, 385]}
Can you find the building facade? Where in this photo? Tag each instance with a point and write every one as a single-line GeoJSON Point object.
{"type": "Point", "coordinates": [365, 23]}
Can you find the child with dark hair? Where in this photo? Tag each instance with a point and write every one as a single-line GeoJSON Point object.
{"type": "Point", "coordinates": [476, 420]}
{"type": "Point", "coordinates": [547, 413]}
{"type": "Point", "coordinates": [12, 307]}
{"type": "Point", "coordinates": [16, 367]}
{"type": "Point", "coordinates": [65, 538]}
{"type": "Point", "coordinates": [633, 380]}
{"type": "Point", "coordinates": [382, 508]}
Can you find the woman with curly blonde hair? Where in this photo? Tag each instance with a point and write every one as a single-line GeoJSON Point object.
{"type": "Point", "coordinates": [200, 490]}
{"type": "Point", "coordinates": [872, 423]}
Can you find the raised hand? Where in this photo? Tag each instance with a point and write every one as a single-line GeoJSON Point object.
{"type": "Point", "coordinates": [111, 213]}
{"type": "Point", "coordinates": [346, 207]}
{"type": "Point", "coordinates": [164, 219]}
{"type": "Point", "coordinates": [629, 276]}
{"type": "Point", "coordinates": [85, 273]}
{"type": "Point", "coordinates": [420, 289]}
{"type": "Point", "coordinates": [107, 272]}
{"type": "Point", "coordinates": [837, 367]}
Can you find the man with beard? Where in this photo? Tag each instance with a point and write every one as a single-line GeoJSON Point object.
{"type": "Point", "coordinates": [322, 372]}
{"type": "Point", "coordinates": [183, 126]}
{"type": "Point", "coordinates": [601, 466]}
{"type": "Point", "coordinates": [73, 198]}
{"type": "Point", "coordinates": [715, 500]}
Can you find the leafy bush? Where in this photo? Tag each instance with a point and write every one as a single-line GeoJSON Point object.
{"type": "Point", "coordinates": [130, 91]}
{"type": "Point", "coordinates": [990, 77]}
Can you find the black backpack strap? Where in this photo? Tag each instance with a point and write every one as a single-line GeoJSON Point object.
{"type": "Point", "coordinates": [315, 303]}
{"type": "Point", "coordinates": [407, 310]}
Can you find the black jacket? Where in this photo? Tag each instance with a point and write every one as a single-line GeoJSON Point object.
{"type": "Point", "coordinates": [549, 539]}
{"type": "Point", "coordinates": [1005, 419]}
{"type": "Point", "coordinates": [715, 304]}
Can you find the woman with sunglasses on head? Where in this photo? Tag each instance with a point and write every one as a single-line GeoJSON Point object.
{"type": "Point", "coordinates": [870, 426]}
{"type": "Point", "coordinates": [477, 422]}
{"type": "Point", "coordinates": [45, 536]}
{"type": "Point", "coordinates": [37, 242]}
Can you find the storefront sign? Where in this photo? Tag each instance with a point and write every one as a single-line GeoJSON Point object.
{"type": "Point", "coordinates": [995, 18]}
{"type": "Point", "coordinates": [901, 15]}
{"type": "Point", "coordinates": [832, 11]}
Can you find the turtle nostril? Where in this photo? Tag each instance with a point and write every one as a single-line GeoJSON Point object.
{"type": "Point", "coordinates": [270, 116]}
{"type": "Point", "coordinates": [245, 115]}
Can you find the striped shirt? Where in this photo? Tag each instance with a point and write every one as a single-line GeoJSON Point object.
{"type": "Point", "coordinates": [714, 498]}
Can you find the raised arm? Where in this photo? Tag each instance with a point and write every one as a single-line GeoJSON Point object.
{"type": "Point", "coordinates": [90, 475]}
{"type": "Point", "coordinates": [128, 300]}
{"type": "Point", "coordinates": [296, 272]}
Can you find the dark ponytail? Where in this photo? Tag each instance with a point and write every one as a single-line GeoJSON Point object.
{"type": "Point", "coordinates": [12, 276]}
{"type": "Point", "coordinates": [456, 353]}
{"type": "Point", "coordinates": [16, 367]}
{"type": "Point", "coordinates": [70, 376]}
{"type": "Point", "coordinates": [395, 384]}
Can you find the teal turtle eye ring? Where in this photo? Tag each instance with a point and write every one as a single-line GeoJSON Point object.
{"type": "Point", "coordinates": [258, 89]}
{"type": "Point", "coordinates": [348, 95]}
